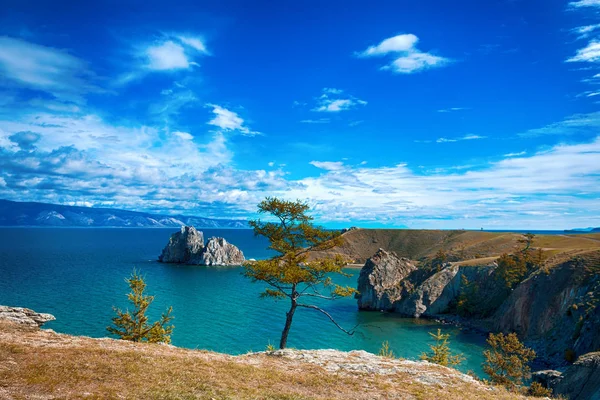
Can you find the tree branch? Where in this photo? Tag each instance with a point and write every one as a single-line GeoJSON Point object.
{"type": "Point", "coordinates": [350, 332]}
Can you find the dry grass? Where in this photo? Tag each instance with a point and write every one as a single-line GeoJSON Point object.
{"type": "Point", "coordinates": [37, 364]}
{"type": "Point", "coordinates": [474, 247]}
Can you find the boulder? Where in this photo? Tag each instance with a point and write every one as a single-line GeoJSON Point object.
{"type": "Point", "coordinates": [581, 381]}
{"type": "Point", "coordinates": [219, 252]}
{"type": "Point", "coordinates": [183, 246]}
{"type": "Point", "coordinates": [548, 378]}
{"type": "Point", "coordinates": [24, 316]}
{"type": "Point", "coordinates": [380, 283]}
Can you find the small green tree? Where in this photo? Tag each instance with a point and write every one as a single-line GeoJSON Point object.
{"type": "Point", "coordinates": [291, 274]}
{"type": "Point", "coordinates": [507, 362]}
{"type": "Point", "coordinates": [512, 269]}
{"type": "Point", "coordinates": [134, 325]}
{"type": "Point", "coordinates": [440, 351]}
{"type": "Point", "coordinates": [467, 303]}
{"type": "Point", "coordinates": [385, 350]}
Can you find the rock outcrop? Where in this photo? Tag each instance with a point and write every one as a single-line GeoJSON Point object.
{"type": "Point", "coordinates": [219, 252]}
{"type": "Point", "coordinates": [581, 381]}
{"type": "Point", "coordinates": [183, 246]}
{"type": "Point", "coordinates": [557, 309]}
{"type": "Point", "coordinates": [187, 247]}
{"type": "Point", "coordinates": [380, 284]}
{"type": "Point", "coordinates": [24, 316]}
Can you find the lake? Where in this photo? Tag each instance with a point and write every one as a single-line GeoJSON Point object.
{"type": "Point", "coordinates": [78, 275]}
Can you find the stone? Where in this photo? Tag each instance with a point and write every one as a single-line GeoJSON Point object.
{"type": "Point", "coordinates": [24, 316]}
{"type": "Point", "coordinates": [581, 381]}
{"type": "Point", "coordinates": [219, 252]}
{"type": "Point", "coordinates": [380, 283]}
{"type": "Point", "coordinates": [183, 246]}
{"type": "Point", "coordinates": [547, 378]}
{"type": "Point", "coordinates": [187, 247]}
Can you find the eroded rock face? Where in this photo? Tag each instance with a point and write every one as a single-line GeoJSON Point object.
{"type": "Point", "coordinates": [24, 316]}
{"type": "Point", "coordinates": [437, 292]}
{"type": "Point", "coordinates": [183, 246]}
{"type": "Point", "coordinates": [380, 283]}
{"type": "Point", "coordinates": [219, 252]}
{"type": "Point", "coordinates": [187, 247]}
{"type": "Point", "coordinates": [581, 381]}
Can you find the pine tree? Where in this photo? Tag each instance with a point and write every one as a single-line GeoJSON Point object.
{"type": "Point", "coordinates": [134, 325]}
{"type": "Point", "coordinates": [507, 362]}
{"type": "Point", "coordinates": [440, 351]}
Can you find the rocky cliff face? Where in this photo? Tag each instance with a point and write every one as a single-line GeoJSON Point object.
{"type": "Point", "coordinates": [380, 284]}
{"type": "Point", "coordinates": [24, 316]}
{"type": "Point", "coordinates": [557, 308]}
{"type": "Point", "coordinates": [219, 252]}
{"type": "Point", "coordinates": [187, 247]}
{"type": "Point", "coordinates": [183, 246]}
{"type": "Point", "coordinates": [581, 381]}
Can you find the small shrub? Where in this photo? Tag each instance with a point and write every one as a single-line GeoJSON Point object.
{"type": "Point", "coordinates": [537, 390]}
{"type": "Point", "coordinates": [385, 350]}
{"type": "Point", "coordinates": [134, 325]}
{"type": "Point", "coordinates": [270, 347]}
{"type": "Point", "coordinates": [507, 362]}
{"type": "Point", "coordinates": [440, 351]}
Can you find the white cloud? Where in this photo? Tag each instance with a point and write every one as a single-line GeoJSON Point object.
{"type": "Point", "coordinates": [47, 69]}
{"type": "Point", "coordinates": [183, 135]}
{"type": "Point", "coordinates": [574, 124]}
{"type": "Point", "coordinates": [407, 58]}
{"type": "Point", "coordinates": [194, 42]}
{"type": "Point", "coordinates": [335, 100]}
{"type": "Point", "coordinates": [328, 165]}
{"type": "Point", "coordinates": [521, 153]}
{"type": "Point", "coordinates": [166, 56]}
{"type": "Point", "coordinates": [590, 53]}
{"type": "Point", "coordinates": [229, 121]}
{"type": "Point", "coordinates": [447, 110]}
{"type": "Point", "coordinates": [584, 3]}
{"type": "Point", "coordinates": [466, 137]}
{"type": "Point", "coordinates": [271, 163]}
{"type": "Point", "coordinates": [585, 31]}
{"type": "Point", "coordinates": [316, 121]}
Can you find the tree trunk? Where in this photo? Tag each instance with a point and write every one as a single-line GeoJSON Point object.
{"type": "Point", "coordinates": [288, 325]}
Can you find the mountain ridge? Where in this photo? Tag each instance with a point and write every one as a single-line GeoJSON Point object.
{"type": "Point", "coordinates": [14, 213]}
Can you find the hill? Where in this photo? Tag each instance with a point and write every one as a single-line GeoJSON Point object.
{"type": "Point", "coordinates": [14, 213]}
{"type": "Point", "coordinates": [42, 364]}
{"type": "Point", "coordinates": [466, 246]}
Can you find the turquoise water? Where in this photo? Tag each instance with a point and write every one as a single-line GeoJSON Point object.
{"type": "Point", "coordinates": [78, 276]}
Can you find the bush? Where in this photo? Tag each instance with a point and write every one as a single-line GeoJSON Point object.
{"type": "Point", "coordinates": [507, 362]}
{"type": "Point", "coordinates": [440, 351]}
{"type": "Point", "coordinates": [134, 325]}
{"type": "Point", "coordinates": [385, 350]}
{"type": "Point", "coordinates": [537, 390]}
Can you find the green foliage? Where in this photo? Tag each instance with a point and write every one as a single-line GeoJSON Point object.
{"type": "Point", "coordinates": [292, 274]}
{"type": "Point", "coordinates": [440, 351]}
{"type": "Point", "coordinates": [527, 240]}
{"type": "Point", "coordinates": [439, 259]}
{"type": "Point", "coordinates": [468, 300]}
{"type": "Point", "coordinates": [512, 269]}
{"type": "Point", "coordinates": [134, 325]}
{"type": "Point", "coordinates": [537, 390]}
{"type": "Point", "coordinates": [507, 362]}
{"type": "Point", "coordinates": [385, 350]}
{"type": "Point", "coordinates": [270, 347]}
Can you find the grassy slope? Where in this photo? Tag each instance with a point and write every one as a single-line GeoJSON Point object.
{"type": "Point", "coordinates": [45, 365]}
{"type": "Point", "coordinates": [361, 244]}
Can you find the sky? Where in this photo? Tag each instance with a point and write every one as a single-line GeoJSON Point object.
{"type": "Point", "coordinates": [422, 114]}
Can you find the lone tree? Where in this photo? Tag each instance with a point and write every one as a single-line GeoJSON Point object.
{"type": "Point", "coordinates": [440, 351]}
{"type": "Point", "coordinates": [291, 274]}
{"type": "Point", "coordinates": [134, 325]}
{"type": "Point", "coordinates": [507, 362]}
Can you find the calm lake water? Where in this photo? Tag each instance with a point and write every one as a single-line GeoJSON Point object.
{"type": "Point", "coordinates": [78, 276]}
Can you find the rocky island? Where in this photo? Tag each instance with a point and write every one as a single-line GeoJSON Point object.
{"type": "Point", "coordinates": [187, 247]}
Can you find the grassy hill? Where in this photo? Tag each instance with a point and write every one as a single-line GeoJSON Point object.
{"type": "Point", "coordinates": [40, 364]}
{"type": "Point", "coordinates": [360, 244]}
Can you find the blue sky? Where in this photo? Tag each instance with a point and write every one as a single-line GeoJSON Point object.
{"type": "Point", "coordinates": [425, 114]}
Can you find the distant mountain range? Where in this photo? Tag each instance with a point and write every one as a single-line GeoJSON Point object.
{"type": "Point", "coordinates": [582, 230]}
{"type": "Point", "coordinates": [14, 213]}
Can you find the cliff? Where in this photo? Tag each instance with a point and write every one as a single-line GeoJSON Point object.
{"type": "Point", "coordinates": [554, 309]}
{"type": "Point", "coordinates": [24, 316]}
{"type": "Point", "coordinates": [187, 247]}
{"type": "Point", "coordinates": [38, 363]}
